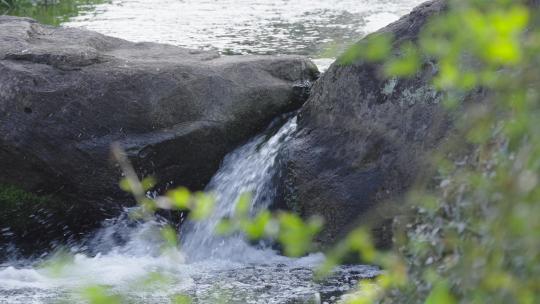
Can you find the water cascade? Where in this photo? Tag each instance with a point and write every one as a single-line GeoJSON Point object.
{"type": "Point", "coordinates": [250, 168]}
{"type": "Point", "coordinates": [126, 254]}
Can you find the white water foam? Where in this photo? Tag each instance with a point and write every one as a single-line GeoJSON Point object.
{"type": "Point", "coordinates": [248, 169]}
{"type": "Point", "coordinates": [127, 254]}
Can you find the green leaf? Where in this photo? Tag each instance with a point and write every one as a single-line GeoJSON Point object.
{"type": "Point", "coordinates": [181, 299]}
{"type": "Point", "coordinates": [373, 48]}
{"type": "Point", "coordinates": [440, 294]}
{"type": "Point", "coordinates": [378, 47]}
{"type": "Point", "coordinates": [503, 51]}
{"type": "Point", "coordinates": [243, 205]}
{"type": "Point", "coordinates": [180, 198]}
{"type": "Point", "coordinates": [225, 227]}
{"type": "Point", "coordinates": [58, 263]}
{"type": "Point", "coordinates": [256, 229]}
{"type": "Point", "coordinates": [404, 65]}
{"type": "Point", "coordinates": [99, 295]}
{"type": "Point", "coordinates": [148, 183]}
{"type": "Point", "coordinates": [360, 240]}
{"type": "Point", "coordinates": [202, 207]}
{"type": "Point", "coordinates": [125, 185]}
{"type": "Point", "coordinates": [170, 237]}
{"type": "Point", "coordinates": [296, 236]}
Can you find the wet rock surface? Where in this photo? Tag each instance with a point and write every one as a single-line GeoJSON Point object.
{"type": "Point", "coordinates": [363, 140]}
{"type": "Point", "coordinates": [67, 94]}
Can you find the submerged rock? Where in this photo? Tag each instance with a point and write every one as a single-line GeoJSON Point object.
{"type": "Point", "coordinates": [362, 140]}
{"type": "Point", "coordinates": [66, 94]}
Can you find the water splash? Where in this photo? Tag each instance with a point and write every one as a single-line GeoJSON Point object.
{"type": "Point", "coordinates": [126, 253]}
{"type": "Point", "coordinates": [249, 169]}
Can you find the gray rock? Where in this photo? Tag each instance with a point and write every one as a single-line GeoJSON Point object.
{"type": "Point", "coordinates": [362, 140]}
{"type": "Point", "coordinates": [66, 94]}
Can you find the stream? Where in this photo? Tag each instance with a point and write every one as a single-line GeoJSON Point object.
{"type": "Point", "coordinates": [126, 255]}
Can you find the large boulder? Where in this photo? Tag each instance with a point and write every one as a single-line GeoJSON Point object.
{"type": "Point", "coordinates": [362, 140]}
{"type": "Point", "coordinates": [66, 94]}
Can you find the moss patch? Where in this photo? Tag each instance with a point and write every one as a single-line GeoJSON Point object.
{"type": "Point", "coordinates": [23, 213]}
{"type": "Point", "coordinates": [12, 197]}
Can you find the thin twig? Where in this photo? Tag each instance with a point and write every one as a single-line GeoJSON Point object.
{"type": "Point", "coordinates": [135, 185]}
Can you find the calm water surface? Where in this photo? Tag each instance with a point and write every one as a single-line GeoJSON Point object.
{"type": "Point", "coordinates": [316, 28]}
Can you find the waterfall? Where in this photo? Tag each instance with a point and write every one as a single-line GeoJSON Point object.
{"type": "Point", "coordinates": [126, 252]}
{"type": "Point", "coordinates": [250, 168]}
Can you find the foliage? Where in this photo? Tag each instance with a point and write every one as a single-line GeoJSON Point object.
{"type": "Point", "coordinates": [17, 206]}
{"type": "Point", "coordinates": [51, 12]}
{"type": "Point", "coordinates": [99, 295]}
{"type": "Point", "coordinates": [11, 3]}
{"type": "Point", "coordinates": [473, 238]}
{"type": "Point", "coordinates": [13, 196]}
{"type": "Point", "coordinates": [294, 234]}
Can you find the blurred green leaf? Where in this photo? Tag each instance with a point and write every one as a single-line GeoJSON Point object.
{"type": "Point", "coordinates": [295, 235]}
{"type": "Point", "coordinates": [256, 228]}
{"type": "Point", "coordinates": [180, 198]}
{"type": "Point", "coordinates": [225, 227]}
{"type": "Point", "coordinates": [57, 264]}
{"type": "Point", "coordinates": [125, 185]}
{"type": "Point", "coordinates": [148, 183]}
{"type": "Point", "coordinates": [440, 294]}
{"type": "Point", "coordinates": [181, 299]}
{"type": "Point", "coordinates": [404, 65]}
{"type": "Point", "coordinates": [99, 295]}
{"type": "Point", "coordinates": [203, 205]}
{"type": "Point", "coordinates": [360, 241]}
{"type": "Point", "coordinates": [373, 48]}
{"type": "Point", "coordinates": [243, 205]}
{"type": "Point", "coordinates": [169, 235]}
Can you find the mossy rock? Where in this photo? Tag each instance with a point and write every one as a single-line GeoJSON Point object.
{"type": "Point", "coordinates": [13, 197]}
{"type": "Point", "coordinates": [30, 222]}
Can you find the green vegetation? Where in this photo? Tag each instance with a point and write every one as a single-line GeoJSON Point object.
{"type": "Point", "coordinates": [294, 234]}
{"type": "Point", "coordinates": [474, 236]}
{"type": "Point", "coordinates": [52, 12]}
{"type": "Point", "coordinates": [11, 3]}
{"type": "Point", "coordinates": [11, 195]}
{"type": "Point", "coordinates": [19, 209]}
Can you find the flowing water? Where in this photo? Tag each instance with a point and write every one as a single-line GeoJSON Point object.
{"type": "Point", "coordinates": [248, 169]}
{"type": "Point", "coordinates": [320, 29]}
{"type": "Point", "coordinates": [305, 27]}
{"type": "Point", "coordinates": [127, 256]}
